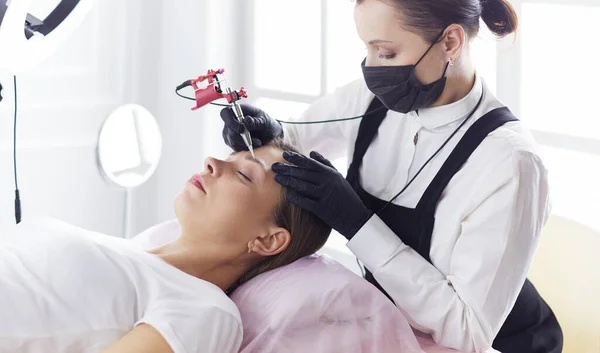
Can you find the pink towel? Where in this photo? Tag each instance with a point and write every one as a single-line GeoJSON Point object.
{"type": "Point", "coordinates": [314, 305]}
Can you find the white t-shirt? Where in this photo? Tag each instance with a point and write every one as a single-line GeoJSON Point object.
{"type": "Point", "coordinates": [66, 289]}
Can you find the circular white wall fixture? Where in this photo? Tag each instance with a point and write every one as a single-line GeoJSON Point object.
{"type": "Point", "coordinates": [130, 146]}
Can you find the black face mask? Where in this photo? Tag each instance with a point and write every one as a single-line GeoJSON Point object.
{"type": "Point", "coordinates": [397, 86]}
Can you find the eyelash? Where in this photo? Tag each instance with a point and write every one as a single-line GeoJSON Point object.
{"type": "Point", "coordinates": [244, 176]}
{"type": "Point", "coordinates": [387, 57]}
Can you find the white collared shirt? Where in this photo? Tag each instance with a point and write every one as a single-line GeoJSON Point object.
{"type": "Point", "coordinates": [487, 222]}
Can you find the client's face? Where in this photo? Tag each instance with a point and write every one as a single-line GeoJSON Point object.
{"type": "Point", "coordinates": [232, 201]}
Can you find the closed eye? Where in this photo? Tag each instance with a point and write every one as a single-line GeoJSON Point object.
{"type": "Point", "coordinates": [386, 56]}
{"type": "Point", "coordinates": [244, 176]}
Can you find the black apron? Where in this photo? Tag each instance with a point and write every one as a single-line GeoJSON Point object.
{"type": "Point", "coordinates": [531, 327]}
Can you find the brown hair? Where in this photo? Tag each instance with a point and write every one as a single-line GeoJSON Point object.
{"type": "Point", "coordinates": [430, 17]}
{"type": "Point", "coordinates": [308, 233]}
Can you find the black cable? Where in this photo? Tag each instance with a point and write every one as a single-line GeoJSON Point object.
{"type": "Point", "coordinates": [326, 121]}
{"type": "Point", "coordinates": [188, 83]}
{"type": "Point", "coordinates": [331, 120]}
{"type": "Point", "coordinates": [433, 156]}
{"type": "Point", "coordinates": [17, 196]}
{"type": "Point", "coordinates": [182, 96]}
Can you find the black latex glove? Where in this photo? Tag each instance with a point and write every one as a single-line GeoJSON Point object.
{"type": "Point", "coordinates": [319, 188]}
{"type": "Point", "coordinates": [261, 126]}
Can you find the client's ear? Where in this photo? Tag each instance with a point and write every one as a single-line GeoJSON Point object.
{"type": "Point", "coordinates": [272, 244]}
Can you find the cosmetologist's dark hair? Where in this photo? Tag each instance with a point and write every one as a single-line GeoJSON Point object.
{"type": "Point", "coordinates": [429, 17]}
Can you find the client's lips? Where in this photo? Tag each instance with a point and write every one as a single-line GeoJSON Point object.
{"type": "Point", "coordinates": [198, 182]}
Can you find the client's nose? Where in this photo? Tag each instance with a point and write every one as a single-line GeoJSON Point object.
{"type": "Point", "coordinates": [213, 166]}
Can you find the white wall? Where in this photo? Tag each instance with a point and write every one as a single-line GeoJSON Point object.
{"type": "Point", "coordinates": [62, 106]}
{"type": "Point", "coordinates": [134, 51]}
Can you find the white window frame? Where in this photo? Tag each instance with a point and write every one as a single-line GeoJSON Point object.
{"type": "Point", "coordinates": [249, 51]}
{"type": "Point", "coordinates": [508, 72]}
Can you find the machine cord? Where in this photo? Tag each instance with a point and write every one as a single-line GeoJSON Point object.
{"type": "Point", "coordinates": [291, 122]}
{"type": "Point", "coordinates": [17, 195]}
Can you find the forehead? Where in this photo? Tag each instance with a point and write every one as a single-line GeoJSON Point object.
{"type": "Point", "coordinates": [375, 18]}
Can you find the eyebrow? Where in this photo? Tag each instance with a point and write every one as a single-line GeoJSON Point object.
{"type": "Point", "coordinates": [377, 41]}
{"type": "Point", "coordinates": [260, 162]}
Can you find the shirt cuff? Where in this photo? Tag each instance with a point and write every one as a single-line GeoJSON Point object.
{"type": "Point", "coordinates": [375, 244]}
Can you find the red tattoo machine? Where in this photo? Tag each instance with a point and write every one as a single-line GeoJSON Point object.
{"type": "Point", "coordinates": [214, 91]}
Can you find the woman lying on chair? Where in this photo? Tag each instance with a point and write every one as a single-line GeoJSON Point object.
{"type": "Point", "coordinates": [65, 289]}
